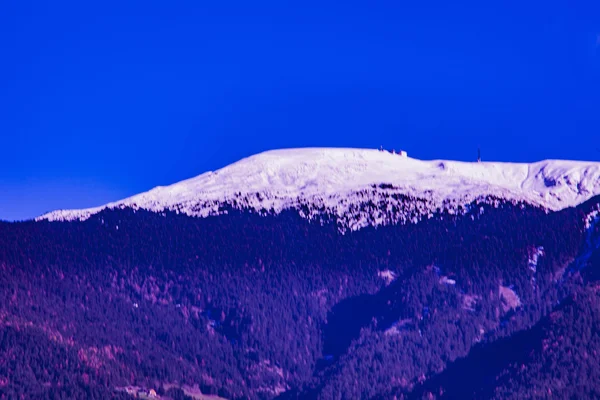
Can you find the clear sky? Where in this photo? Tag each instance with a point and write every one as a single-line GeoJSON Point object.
{"type": "Point", "coordinates": [102, 100]}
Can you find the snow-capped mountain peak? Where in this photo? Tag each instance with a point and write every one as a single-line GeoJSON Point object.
{"type": "Point", "coordinates": [362, 187]}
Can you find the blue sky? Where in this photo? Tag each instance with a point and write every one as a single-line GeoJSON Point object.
{"type": "Point", "coordinates": [102, 101]}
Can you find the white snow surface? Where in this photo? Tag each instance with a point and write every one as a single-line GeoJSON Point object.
{"type": "Point", "coordinates": [363, 187]}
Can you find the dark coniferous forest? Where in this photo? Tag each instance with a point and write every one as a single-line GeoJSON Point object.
{"type": "Point", "coordinates": [501, 302]}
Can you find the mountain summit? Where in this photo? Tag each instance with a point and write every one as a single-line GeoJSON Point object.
{"type": "Point", "coordinates": [363, 186]}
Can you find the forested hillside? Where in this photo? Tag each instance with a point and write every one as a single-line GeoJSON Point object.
{"type": "Point", "coordinates": [249, 306]}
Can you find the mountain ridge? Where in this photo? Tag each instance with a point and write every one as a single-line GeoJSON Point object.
{"type": "Point", "coordinates": [362, 187]}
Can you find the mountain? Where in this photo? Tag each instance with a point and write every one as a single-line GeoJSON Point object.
{"type": "Point", "coordinates": [366, 275]}
{"type": "Point", "coordinates": [363, 187]}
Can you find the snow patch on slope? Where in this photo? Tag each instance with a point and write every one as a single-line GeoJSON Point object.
{"type": "Point", "coordinates": [592, 217]}
{"type": "Point", "coordinates": [363, 187]}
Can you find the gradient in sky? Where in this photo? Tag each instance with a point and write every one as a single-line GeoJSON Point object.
{"type": "Point", "coordinates": [102, 100]}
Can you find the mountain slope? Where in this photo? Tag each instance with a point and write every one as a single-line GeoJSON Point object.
{"type": "Point", "coordinates": [557, 358]}
{"type": "Point", "coordinates": [249, 306]}
{"type": "Point", "coordinates": [363, 187]}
